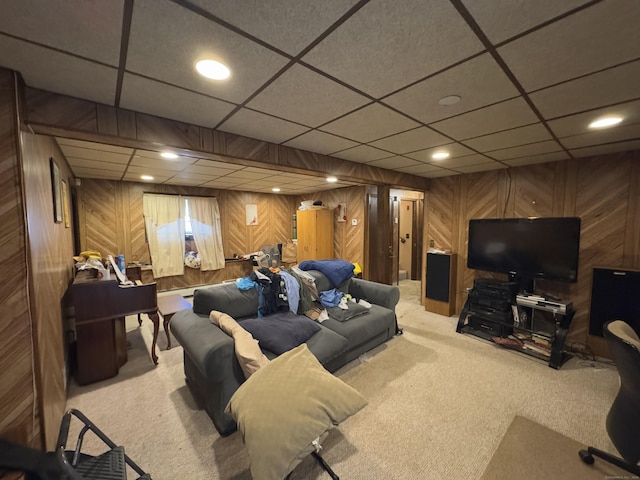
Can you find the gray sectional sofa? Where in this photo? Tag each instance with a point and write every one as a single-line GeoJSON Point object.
{"type": "Point", "coordinates": [211, 368]}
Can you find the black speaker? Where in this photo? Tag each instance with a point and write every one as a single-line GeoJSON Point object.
{"type": "Point", "coordinates": [438, 276]}
{"type": "Point", "coordinates": [615, 295]}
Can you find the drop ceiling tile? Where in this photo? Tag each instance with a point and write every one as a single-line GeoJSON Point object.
{"type": "Point", "coordinates": [70, 151]}
{"type": "Point", "coordinates": [605, 149]}
{"type": "Point", "coordinates": [456, 163]}
{"type": "Point", "coordinates": [454, 150]}
{"type": "Point", "coordinates": [542, 158]}
{"type": "Point", "coordinates": [370, 123]}
{"type": "Point", "coordinates": [155, 172]}
{"type": "Point", "coordinates": [608, 135]}
{"type": "Point", "coordinates": [59, 73]}
{"type": "Point", "coordinates": [609, 87]}
{"type": "Point", "coordinates": [438, 174]}
{"type": "Point", "coordinates": [135, 177]}
{"type": "Point", "coordinates": [482, 167]}
{"type": "Point", "coordinates": [99, 24]}
{"type": "Point", "coordinates": [82, 163]}
{"type": "Point", "coordinates": [141, 95]}
{"type": "Point", "coordinates": [303, 96]}
{"type": "Point", "coordinates": [578, 124]}
{"type": "Point", "coordinates": [510, 138]}
{"type": "Point", "coordinates": [526, 150]}
{"type": "Point", "coordinates": [478, 82]}
{"type": "Point", "coordinates": [221, 183]}
{"type": "Point", "coordinates": [420, 169]}
{"type": "Point", "coordinates": [177, 165]}
{"type": "Point", "coordinates": [206, 163]}
{"type": "Point", "coordinates": [410, 141]}
{"type": "Point", "coordinates": [289, 26]}
{"type": "Point", "coordinates": [502, 116]}
{"type": "Point", "coordinates": [193, 177]}
{"type": "Point", "coordinates": [243, 175]}
{"type": "Point", "coordinates": [600, 36]}
{"type": "Point", "coordinates": [362, 153]}
{"type": "Point", "coordinates": [320, 142]}
{"type": "Point", "coordinates": [263, 127]}
{"type": "Point", "coordinates": [183, 181]}
{"type": "Point", "coordinates": [387, 45]}
{"type": "Point", "coordinates": [168, 51]}
{"type": "Point", "coordinates": [502, 19]}
{"type": "Point", "coordinates": [93, 146]}
{"type": "Point", "coordinates": [394, 162]}
{"type": "Point", "coordinates": [96, 173]}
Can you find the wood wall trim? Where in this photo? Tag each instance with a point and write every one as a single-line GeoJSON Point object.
{"type": "Point", "coordinates": [59, 115]}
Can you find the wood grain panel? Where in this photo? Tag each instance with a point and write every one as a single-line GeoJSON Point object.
{"type": "Point", "coordinates": [51, 271]}
{"type": "Point", "coordinates": [348, 242]}
{"type": "Point", "coordinates": [53, 114]}
{"type": "Point", "coordinates": [244, 147]}
{"type": "Point", "coordinates": [66, 112]}
{"type": "Point", "coordinates": [167, 132]}
{"type": "Point", "coordinates": [19, 413]}
{"type": "Point", "coordinates": [114, 223]}
{"type": "Point", "coordinates": [603, 191]}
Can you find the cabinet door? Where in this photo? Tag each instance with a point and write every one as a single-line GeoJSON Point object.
{"type": "Point", "coordinates": [315, 234]}
{"type": "Point", "coordinates": [324, 235]}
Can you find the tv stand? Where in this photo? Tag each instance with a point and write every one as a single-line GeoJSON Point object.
{"type": "Point", "coordinates": [492, 312]}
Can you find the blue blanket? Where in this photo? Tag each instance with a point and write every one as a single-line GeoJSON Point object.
{"type": "Point", "coordinates": [337, 271]}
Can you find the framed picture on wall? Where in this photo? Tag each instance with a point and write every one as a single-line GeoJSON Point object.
{"type": "Point", "coordinates": [65, 205]}
{"type": "Point", "coordinates": [55, 188]}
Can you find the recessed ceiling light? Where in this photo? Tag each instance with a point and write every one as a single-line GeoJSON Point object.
{"type": "Point", "coordinates": [605, 122]}
{"type": "Point", "coordinates": [449, 100]}
{"type": "Point", "coordinates": [332, 179]}
{"type": "Point", "coordinates": [440, 155]}
{"type": "Point", "coordinates": [146, 177]}
{"type": "Point", "coordinates": [275, 189]}
{"type": "Point", "coordinates": [169, 155]}
{"type": "Point", "coordinates": [213, 69]}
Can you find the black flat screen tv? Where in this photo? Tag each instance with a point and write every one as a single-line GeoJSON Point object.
{"type": "Point", "coordinates": [526, 248]}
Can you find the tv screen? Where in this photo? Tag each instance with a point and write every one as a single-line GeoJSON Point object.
{"type": "Point", "coordinates": [526, 248]}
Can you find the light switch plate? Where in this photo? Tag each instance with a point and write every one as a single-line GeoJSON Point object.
{"type": "Point", "coordinates": [354, 222]}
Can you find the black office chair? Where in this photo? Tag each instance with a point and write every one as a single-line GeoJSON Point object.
{"type": "Point", "coordinates": [623, 420]}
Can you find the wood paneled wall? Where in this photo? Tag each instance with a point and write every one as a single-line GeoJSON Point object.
{"type": "Point", "coordinates": [604, 191]}
{"type": "Point", "coordinates": [111, 222]}
{"type": "Point", "coordinates": [53, 114]}
{"type": "Point", "coordinates": [18, 408]}
{"type": "Point", "coordinates": [50, 253]}
{"type": "Point", "coordinates": [348, 239]}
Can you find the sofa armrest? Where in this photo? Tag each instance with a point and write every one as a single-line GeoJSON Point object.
{"type": "Point", "coordinates": [374, 292]}
{"type": "Point", "coordinates": [210, 349]}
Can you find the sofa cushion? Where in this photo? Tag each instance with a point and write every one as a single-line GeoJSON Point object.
{"type": "Point", "coordinates": [363, 327]}
{"type": "Point", "coordinates": [280, 332]}
{"type": "Point", "coordinates": [227, 298]}
{"type": "Point", "coordinates": [342, 315]}
{"type": "Point", "coordinates": [284, 407]}
{"type": "Point", "coordinates": [327, 345]}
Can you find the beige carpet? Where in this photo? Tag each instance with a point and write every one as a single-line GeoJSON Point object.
{"type": "Point", "coordinates": [530, 451]}
{"type": "Point", "coordinates": [439, 404]}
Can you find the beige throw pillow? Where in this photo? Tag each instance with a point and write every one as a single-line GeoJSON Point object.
{"type": "Point", "coordinates": [287, 405]}
{"type": "Point", "coordinates": [247, 349]}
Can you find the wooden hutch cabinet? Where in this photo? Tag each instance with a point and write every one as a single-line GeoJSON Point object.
{"type": "Point", "coordinates": [315, 234]}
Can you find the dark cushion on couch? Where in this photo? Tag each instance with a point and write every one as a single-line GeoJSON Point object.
{"type": "Point", "coordinates": [280, 332]}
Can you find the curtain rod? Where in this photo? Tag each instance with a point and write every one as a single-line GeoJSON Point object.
{"type": "Point", "coordinates": [178, 195]}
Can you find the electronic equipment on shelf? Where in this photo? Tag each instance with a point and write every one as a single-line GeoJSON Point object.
{"type": "Point", "coordinates": [543, 303]}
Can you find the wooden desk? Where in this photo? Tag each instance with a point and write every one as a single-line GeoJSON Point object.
{"type": "Point", "coordinates": [100, 307]}
{"type": "Point", "coordinates": [167, 306]}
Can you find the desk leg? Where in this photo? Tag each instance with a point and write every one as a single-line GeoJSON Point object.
{"type": "Point", "coordinates": [156, 326]}
{"type": "Point", "coordinates": [165, 323]}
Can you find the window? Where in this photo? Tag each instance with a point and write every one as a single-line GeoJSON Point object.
{"type": "Point", "coordinates": [187, 220]}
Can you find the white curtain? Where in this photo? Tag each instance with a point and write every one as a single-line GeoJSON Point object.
{"type": "Point", "coordinates": [164, 222]}
{"type": "Point", "coordinates": [205, 225]}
